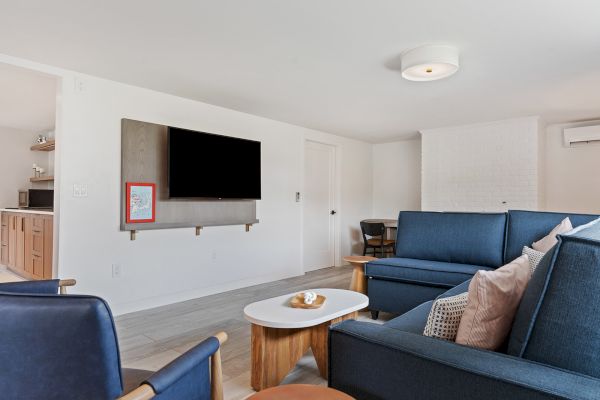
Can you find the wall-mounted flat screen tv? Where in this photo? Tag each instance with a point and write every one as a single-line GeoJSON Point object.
{"type": "Point", "coordinates": [205, 165]}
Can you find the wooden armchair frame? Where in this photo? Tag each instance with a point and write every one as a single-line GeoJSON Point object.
{"type": "Point", "coordinates": [64, 283]}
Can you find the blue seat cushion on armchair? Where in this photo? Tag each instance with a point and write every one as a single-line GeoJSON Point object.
{"type": "Point", "coordinates": [526, 227]}
{"type": "Point", "coordinates": [412, 321]}
{"type": "Point", "coordinates": [423, 272]}
{"type": "Point", "coordinates": [557, 321]}
{"type": "Point", "coordinates": [452, 237]}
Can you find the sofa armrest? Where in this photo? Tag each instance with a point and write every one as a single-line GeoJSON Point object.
{"type": "Point", "coordinates": [370, 361]}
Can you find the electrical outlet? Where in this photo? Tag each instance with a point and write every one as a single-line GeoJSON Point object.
{"type": "Point", "coordinates": [79, 85]}
{"type": "Point", "coordinates": [80, 190]}
{"type": "Point", "coordinates": [116, 270]}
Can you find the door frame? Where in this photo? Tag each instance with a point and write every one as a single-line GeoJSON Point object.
{"type": "Point", "coordinates": [336, 201]}
{"type": "Point", "coordinates": [63, 78]}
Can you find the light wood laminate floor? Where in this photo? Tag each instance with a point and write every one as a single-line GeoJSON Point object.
{"type": "Point", "coordinates": [150, 339]}
{"type": "Point", "coordinates": [7, 276]}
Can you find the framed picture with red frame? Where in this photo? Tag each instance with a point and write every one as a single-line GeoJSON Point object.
{"type": "Point", "coordinates": [140, 202]}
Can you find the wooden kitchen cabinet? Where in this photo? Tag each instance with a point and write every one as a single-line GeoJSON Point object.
{"type": "Point", "coordinates": [20, 250]}
{"type": "Point", "coordinates": [27, 244]}
{"type": "Point", "coordinates": [12, 240]}
{"type": "Point", "coordinates": [4, 238]}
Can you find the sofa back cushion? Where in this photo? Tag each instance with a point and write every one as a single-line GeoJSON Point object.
{"type": "Point", "coordinates": [462, 238]}
{"type": "Point", "coordinates": [526, 227]}
{"type": "Point", "coordinates": [557, 321]}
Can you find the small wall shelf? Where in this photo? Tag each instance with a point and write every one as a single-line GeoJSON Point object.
{"type": "Point", "coordinates": [134, 232]}
{"type": "Point", "coordinates": [42, 179]}
{"type": "Point", "coordinates": [48, 146]}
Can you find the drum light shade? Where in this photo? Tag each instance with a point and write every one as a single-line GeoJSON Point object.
{"type": "Point", "coordinates": [429, 63]}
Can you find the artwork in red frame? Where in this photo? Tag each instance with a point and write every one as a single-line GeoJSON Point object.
{"type": "Point", "coordinates": [140, 202]}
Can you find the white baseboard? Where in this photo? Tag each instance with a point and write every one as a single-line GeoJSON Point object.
{"type": "Point", "coordinates": [158, 301]}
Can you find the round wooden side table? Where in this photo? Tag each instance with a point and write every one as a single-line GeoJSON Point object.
{"type": "Point", "coordinates": [300, 392]}
{"type": "Point", "coordinates": [359, 281]}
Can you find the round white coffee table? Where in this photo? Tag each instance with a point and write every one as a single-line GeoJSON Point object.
{"type": "Point", "coordinates": [282, 334]}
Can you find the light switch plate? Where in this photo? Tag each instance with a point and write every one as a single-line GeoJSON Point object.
{"type": "Point", "coordinates": [116, 270]}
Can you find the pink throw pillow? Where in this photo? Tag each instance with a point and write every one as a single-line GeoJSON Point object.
{"type": "Point", "coordinates": [494, 297]}
{"type": "Point", "coordinates": [548, 241]}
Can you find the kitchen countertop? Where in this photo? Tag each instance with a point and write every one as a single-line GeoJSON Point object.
{"type": "Point", "coordinates": [26, 211]}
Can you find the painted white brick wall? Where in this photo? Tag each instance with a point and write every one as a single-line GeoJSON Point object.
{"type": "Point", "coordinates": [483, 167]}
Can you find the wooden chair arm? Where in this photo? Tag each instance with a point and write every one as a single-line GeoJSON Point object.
{"type": "Point", "coordinates": [216, 371]}
{"type": "Point", "coordinates": [63, 283]}
{"type": "Point", "coordinates": [145, 392]}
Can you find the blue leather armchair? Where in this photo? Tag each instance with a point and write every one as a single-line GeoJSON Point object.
{"type": "Point", "coordinates": [65, 347]}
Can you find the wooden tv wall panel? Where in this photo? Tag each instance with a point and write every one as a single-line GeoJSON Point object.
{"type": "Point", "coordinates": [144, 159]}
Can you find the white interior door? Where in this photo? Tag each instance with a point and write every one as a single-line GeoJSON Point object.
{"type": "Point", "coordinates": [319, 201]}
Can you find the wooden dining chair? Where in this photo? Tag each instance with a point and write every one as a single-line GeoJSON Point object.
{"type": "Point", "coordinates": [374, 238]}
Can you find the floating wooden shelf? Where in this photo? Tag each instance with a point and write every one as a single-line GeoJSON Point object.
{"type": "Point", "coordinates": [48, 146]}
{"type": "Point", "coordinates": [42, 179]}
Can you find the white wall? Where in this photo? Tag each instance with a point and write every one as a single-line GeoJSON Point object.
{"type": "Point", "coordinates": [16, 160]}
{"type": "Point", "coordinates": [172, 265]}
{"type": "Point", "coordinates": [484, 167]}
{"type": "Point", "coordinates": [396, 178]}
{"type": "Point", "coordinates": [571, 175]}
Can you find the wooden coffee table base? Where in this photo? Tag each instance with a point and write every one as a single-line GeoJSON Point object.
{"type": "Point", "coordinates": [275, 351]}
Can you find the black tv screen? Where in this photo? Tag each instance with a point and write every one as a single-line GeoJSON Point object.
{"type": "Point", "coordinates": [205, 165]}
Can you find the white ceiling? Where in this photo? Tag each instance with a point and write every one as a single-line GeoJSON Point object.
{"type": "Point", "coordinates": [329, 64]}
{"type": "Point", "coordinates": [27, 99]}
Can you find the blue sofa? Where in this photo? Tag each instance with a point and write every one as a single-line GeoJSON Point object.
{"type": "Point", "coordinates": [436, 251]}
{"type": "Point", "coordinates": [553, 350]}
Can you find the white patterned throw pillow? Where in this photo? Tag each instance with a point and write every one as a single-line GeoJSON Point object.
{"type": "Point", "coordinates": [444, 317]}
{"type": "Point", "coordinates": [534, 257]}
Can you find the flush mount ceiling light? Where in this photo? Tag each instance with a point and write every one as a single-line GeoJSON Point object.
{"type": "Point", "coordinates": [429, 63]}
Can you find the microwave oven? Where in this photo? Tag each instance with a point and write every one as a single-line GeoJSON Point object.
{"type": "Point", "coordinates": [36, 198]}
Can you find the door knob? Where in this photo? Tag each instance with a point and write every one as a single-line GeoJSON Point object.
{"type": "Point", "coordinates": [333, 212]}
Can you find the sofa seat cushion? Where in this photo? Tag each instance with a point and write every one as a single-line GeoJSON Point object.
{"type": "Point", "coordinates": [422, 272]}
{"type": "Point", "coordinates": [413, 321]}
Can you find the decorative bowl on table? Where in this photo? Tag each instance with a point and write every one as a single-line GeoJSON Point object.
{"type": "Point", "coordinates": [305, 300]}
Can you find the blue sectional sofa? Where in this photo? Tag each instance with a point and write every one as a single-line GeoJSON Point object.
{"type": "Point", "coordinates": [436, 251]}
{"type": "Point", "coordinates": [553, 351]}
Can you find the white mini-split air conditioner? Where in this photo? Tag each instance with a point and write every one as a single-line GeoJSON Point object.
{"type": "Point", "coordinates": [581, 135]}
